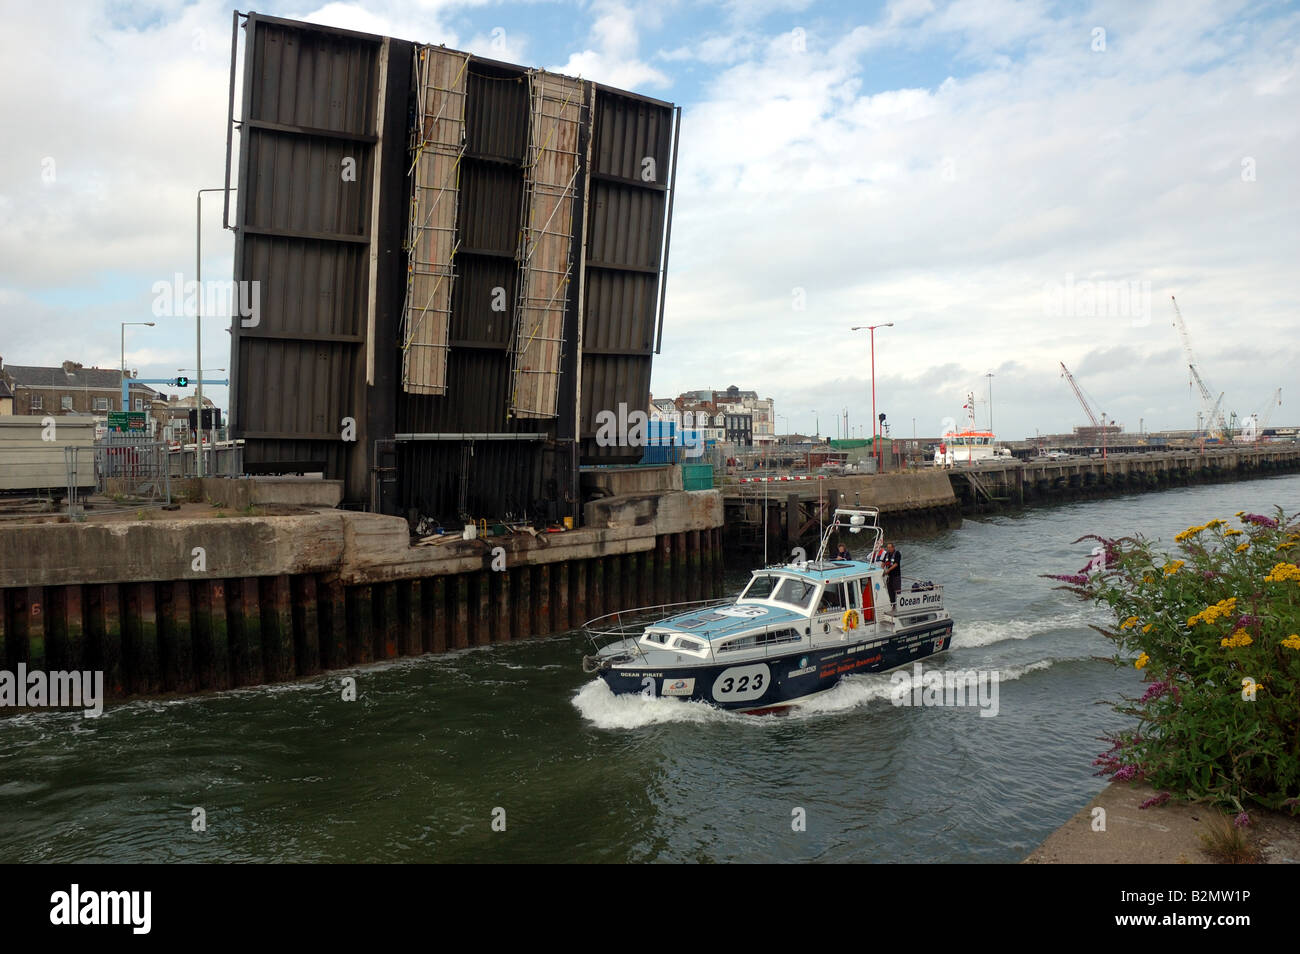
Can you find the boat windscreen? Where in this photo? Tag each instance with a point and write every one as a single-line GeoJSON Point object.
{"type": "Point", "coordinates": [796, 592]}
{"type": "Point", "coordinates": [760, 587]}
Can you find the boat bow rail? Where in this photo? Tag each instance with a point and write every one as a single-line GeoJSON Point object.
{"type": "Point", "coordinates": [626, 626]}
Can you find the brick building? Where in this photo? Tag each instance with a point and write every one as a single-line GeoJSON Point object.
{"type": "Point", "coordinates": [71, 389]}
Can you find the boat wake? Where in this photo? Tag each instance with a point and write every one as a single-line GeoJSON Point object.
{"type": "Point", "coordinates": [969, 634]}
{"type": "Point", "coordinates": [600, 706]}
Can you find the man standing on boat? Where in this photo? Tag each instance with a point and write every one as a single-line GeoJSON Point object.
{"type": "Point", "coordinates": [893, 563]}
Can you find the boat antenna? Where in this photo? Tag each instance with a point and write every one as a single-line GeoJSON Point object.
{"type": "Point", "coordinates": [765, 522]}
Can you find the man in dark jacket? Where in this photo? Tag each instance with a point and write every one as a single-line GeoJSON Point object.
{"type": "Point", "coordinates": [893, 564]}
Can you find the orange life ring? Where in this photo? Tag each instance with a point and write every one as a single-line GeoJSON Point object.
{"type": "Point", "coordinates": [850, 620]}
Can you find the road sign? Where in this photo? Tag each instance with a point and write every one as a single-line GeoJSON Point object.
{"type": "Point", "coordinates": [126, 420]}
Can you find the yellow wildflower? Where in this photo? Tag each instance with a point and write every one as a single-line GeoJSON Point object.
{"type": "Point", "coordinates": [1238, 638]}
{"type": "Point", "coordinates": [1292, 642]}
{"type": "Point", "coordinates": [1216, 522]}
{"type": "Point", "coordinates": [1242, 547]}
{"type": "Point", "coordinates": [1129, 623]}
{"type": "Point", "coordinates": [1283, 572]}
{"type": "Point", "coordinates": [1240, 513]}
{"type": "Point", "coordinates": [1283, 547]}
{"type": "Point", "coordinates": [1232, 533]}
{"type": "Point", "coordinates": [1174, 567]}
{"type": "Point", "coordinates": [1213, 613]}
{"type": "Point", "coordinates": [1142, 661]}
{"type": "Point", "coordinates": [1147, 578]}
{"type": "Point", "coordinates": [1147, 628]}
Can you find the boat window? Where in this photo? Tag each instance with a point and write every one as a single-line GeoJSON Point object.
{"type": "Point", "coordinates": [660, 638]}
{"type": "Point", "coordinates": [796, 592]}
{"type": "Point", "coordinates": [851, 594]}
{"type": "Point", "coordinates": [773, 638]}
{"type": "Point", "coordinates": [760, 587]}
{"type": "Point", "coordinates": [688, 644]}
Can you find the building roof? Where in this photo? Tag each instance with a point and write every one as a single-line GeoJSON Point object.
{"type": "Point", "coordinates": [71, 375]}
{"type": "Point", "coordinates": [4, 389]}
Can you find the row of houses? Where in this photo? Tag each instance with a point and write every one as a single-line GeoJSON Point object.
{"type": "Point", "coordinates": [75, 390]}
{"type": "Point", "coordinates": [732, 416]}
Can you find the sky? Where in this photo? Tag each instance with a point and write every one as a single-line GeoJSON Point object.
{"type": "Point", "coordinates": [1012, 184]}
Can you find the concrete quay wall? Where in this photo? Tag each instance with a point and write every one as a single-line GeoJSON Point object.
{"type": "Point", "coordinates": [178, 606]}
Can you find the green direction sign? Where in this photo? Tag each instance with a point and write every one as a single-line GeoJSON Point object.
{"type": "Point", "coordinates": [126, 420]}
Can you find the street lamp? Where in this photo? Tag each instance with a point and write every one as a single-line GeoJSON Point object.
{"type": "Point", "coordinates": [989, 375]}
{"type": "Point", "coordinates": [872, 330]}
{"type": "Point", "coordinates": [198, 315]}
{"type": "Point", "coordinates": [126, 398]}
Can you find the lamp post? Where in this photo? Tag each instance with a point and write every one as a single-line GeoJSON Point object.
{"type": "Point", "coordinates": [872, 330]}
{"type": "Point", "coordinates": [198, 316]}
{"type": "Point", "coordinates": [126, 397]}
{"type": "Point", "coordinates": [990, 377]}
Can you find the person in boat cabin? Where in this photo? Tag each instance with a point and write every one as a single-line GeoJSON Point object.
{"type": "Point", "coordinates": [830, 600]}
{"type": "Point", "coordinates": [842, 553]}
{"type": "Point", "coordinates": [893, 562]}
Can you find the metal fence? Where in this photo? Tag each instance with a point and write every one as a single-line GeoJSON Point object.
{"type": "Point", "coordinates": [224, 459]}
{"type": "Point", "coordinates": [131, 467]}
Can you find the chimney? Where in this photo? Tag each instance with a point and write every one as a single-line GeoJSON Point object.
{"type": "Point", "coordinates": [69, 367]}
{"type": "Point", "coordinates": [173, 398]}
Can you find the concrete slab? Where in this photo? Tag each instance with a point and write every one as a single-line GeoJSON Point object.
{"type": "Point", "coordinates": [1165, 834]}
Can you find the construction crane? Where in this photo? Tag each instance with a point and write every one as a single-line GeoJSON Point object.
{"type": "Point", "coordinates": [1215, 425]}
{"type": "Point", "coordinates": [1087, 409]}
{"type": "Point", "coordinates": [1253, 427]}
{"type": "Point", "coordinates": [1274, 401]}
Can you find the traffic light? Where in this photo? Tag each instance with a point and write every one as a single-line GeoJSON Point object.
{"type": "Point", "coordinates": [182, 382]}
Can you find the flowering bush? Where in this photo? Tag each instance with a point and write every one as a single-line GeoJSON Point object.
{"type": "Point", "coordinates": [1215, 632]}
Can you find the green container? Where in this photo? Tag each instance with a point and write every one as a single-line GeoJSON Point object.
{"type": "Point", "coordinates": [697, 476]}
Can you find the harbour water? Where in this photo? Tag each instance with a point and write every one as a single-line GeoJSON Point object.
{"type": "Point", "coordinates": [437, 754]}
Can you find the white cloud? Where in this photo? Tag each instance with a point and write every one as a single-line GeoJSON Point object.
{"type": "Point", "coordinates": [613, 58]}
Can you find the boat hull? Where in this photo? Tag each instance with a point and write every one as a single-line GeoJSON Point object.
{"type": "Point", "coordinates": [776, 681]}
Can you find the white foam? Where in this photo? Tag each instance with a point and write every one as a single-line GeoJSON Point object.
{"type": "Point", "coordinates": [968, 634]}
{"type": "Point", "coordinates": [598, 703]}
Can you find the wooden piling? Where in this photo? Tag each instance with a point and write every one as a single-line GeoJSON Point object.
{"type": "Point", "coordinates": [211, 641]}
{"type": "Point", "coordinates": [408, 606]}
{"type": "Point", "coordinates": [335, 652]}
{"type": "Point", "coordinates": [614, 583]}
{"type": "Point", "coordinates": [439, 615]}
{"type": "Point", "coordinates": [596, 580]}
{"type": "Point", "coordinates": [306, 625]}
{"type": "Point", "coordinates": [176, 637]}
{"type": "Point", "coordinates": [388, 632]}
{"type": "Point", "coordinates": [106, 636]}
{"type": "Point", "coordinates": [663, 568]}
{"type": "Point", "coordinates": [579, 607]}
{"type": "Point", "coordinates": [460, 613]}
{"type": "Point", "coordinates": [276, 611]}
{"type": "Point", "coordinates": [34, 626]}
{"type": "Point", "coordinates": [561, 607]}
{"type": "Point", "coordinates": [542, 600]}
{"type": "Point", "coordinates": [498, 606]}
{"type": "Point", "coordinates": [693, 565]}
{"type": "Point", "coordinates": [140, 640]}
{"type": "Point", "coordinates": [245, 631]}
